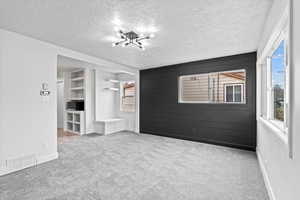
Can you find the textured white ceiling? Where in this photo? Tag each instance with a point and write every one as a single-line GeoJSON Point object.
{"type": "Point", "coordinates": [185, 30]}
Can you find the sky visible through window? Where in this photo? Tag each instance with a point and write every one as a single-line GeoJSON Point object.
{"type": "Point", "coordinates": [278, 79]}
{"type": "Point", "coordinates": [278, 64]}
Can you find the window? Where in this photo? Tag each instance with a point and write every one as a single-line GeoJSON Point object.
{"type": "Point", "coordinates": [277, 77]}
{"type": "Point", "coordinates": [194, 88]}
{"type": "Point", "coordinates": [274, 83]}
{"type": "Point", "coordinates": [215, 87]}
{"type": "Point", "coordinates": [233, 93]}
{"type": "Point", "coordinates": [127, 94]}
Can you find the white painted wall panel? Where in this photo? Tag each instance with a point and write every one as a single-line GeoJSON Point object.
{"type": "Point", "coordinates": [283, 173]}
{"type": "Point", "coordinates": [28, 121]}
{"type": "Point", "coordinates": [275, 14]}
{"type": "Point", "coordinates": [60, 105]}
{"type": "Point", "coordinates": [105, 99]}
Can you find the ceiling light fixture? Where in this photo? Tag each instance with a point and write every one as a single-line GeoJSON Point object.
{"type": "Point", "coordinates": [131, 38]}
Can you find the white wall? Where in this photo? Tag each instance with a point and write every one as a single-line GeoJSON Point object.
{"type": "Point", "coordinates": [60, 105]}
{"type": "Point", "coordinates": [28, 123]}
{"type": "Point", "coordinates": [105, 99]}
{"type": "Point", "coordinates": [283, 173]}
{"type": "Point", "coordinates": [89, 100]}
{"type": "Point", "coordinates": [274, 15]}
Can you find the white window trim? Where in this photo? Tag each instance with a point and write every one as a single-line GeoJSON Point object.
{"type": "Point", "coordinates": [208, 102]}
{"type": "Point", "coordinates": [283, 36]}
{"type": "Point", "coordinates": [284, 135]}
{"type": "Point", "coordinates": [278, 131]}
{"type": "Point", "coordinates": [233, 92]}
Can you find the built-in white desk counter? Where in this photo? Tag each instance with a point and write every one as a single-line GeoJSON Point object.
{"type": "Point", "coordinates": [107, 126]}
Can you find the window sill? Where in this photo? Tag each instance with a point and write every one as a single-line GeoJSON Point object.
{"type": "Point", "coordinates": [279, 132]}
{"type": "Point", "coordinates": [211, 102]}
{"type": "Point", "coordinates": [127, 111]}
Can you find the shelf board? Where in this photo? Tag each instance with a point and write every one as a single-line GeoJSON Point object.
{"type": "Point", "coordinates": [77, 79]}
{"type": "Point", "coordinates": [76, 112]}
{"type": "Point", "coordinates": [113, 81]}
{"type": "Point", "coordinates": [76, 98]}
{"type": "Point", "coordinates": [77, 88]}
{"type": "Point", "coordinates": [112, 89]}
{"type": "Point", "coordinates": [78, 70]}
{"type": "Point", "coordinates": [77, 123]}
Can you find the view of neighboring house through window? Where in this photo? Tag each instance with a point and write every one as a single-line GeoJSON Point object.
{"type": "Point", "coordinates": [127, 100]}
{"type": "Point", "coordinates": [278, 82]}
{"type": "Point", "coordinates": [234, 93]}
{"type": "Point", "coordinates": [215, 87]}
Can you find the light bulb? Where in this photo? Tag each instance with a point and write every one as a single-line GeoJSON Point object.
{"type": "Point", "coordinates": [117, 21]}
{"type": "Point", "coordinates": [152, 35]}
{"type": "Point", "coordinates": [116, 28]}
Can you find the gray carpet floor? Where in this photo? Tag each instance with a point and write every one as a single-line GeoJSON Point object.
{"type": "Point", "coordinates": [127, 166]}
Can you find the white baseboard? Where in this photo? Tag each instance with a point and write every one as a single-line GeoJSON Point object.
{"type": "Point", "coordinates": [265, 176]}
{"type": "Point", "coordinates": [31, 161]}
{"type": "Point", "coordinates": [89, 132]}
{"type": "Point", "coordinates": [46, 158]}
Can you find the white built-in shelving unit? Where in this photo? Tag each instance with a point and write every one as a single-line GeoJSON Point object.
{"type": "Point", "coordinates": [75, 122]}
{"type": "Point", "coordinates": [77, 85]}
{"type": "Point", "coordinates": [75, 90]}
{"type": "Point", "coordinates": [114, 88]}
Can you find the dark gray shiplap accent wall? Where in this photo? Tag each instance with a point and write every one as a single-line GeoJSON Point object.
{"type": "Point", "coordinates": [231, 125]}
